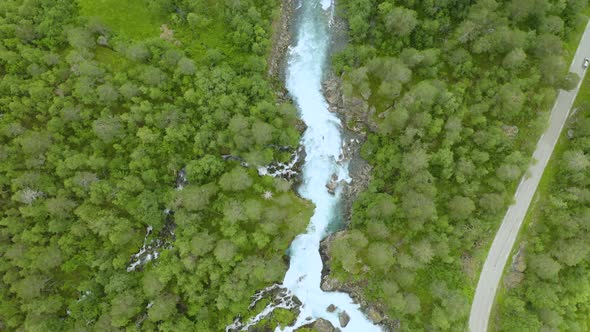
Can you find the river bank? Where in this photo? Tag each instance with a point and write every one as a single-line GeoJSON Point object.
{"type": "Point", "coordinates": [283, 34]}
{"type": "Point", "coordinates": [323, 173]}
{"type": "Point", "coordinates": [353, 115]}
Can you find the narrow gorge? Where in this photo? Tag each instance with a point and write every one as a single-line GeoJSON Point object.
{"type": "Point", "coordinates": [321, 172]}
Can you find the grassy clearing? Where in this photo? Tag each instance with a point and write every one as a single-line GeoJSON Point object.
{"type": "Point", "coordinates": [129, 18]}
{"type": "Point", "coordinates": [212, 37]}
{"type": "Point", "coordinates": [135, 20]}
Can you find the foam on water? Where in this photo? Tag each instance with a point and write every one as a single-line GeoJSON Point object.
{"type": "Point", "coordinates": [322, 141]}
{"type": "Point", "coordinates": [326, 4]}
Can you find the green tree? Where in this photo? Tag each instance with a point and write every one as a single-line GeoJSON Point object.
{"type": "Point", "coordinates": [576, 161]}
{"type": "Point", "coordinates": [225, 251]}
{"type": "Point", "coordinates": [400, 21]}
{"type": "Point", "coordinates": [108, 129]}
{"type": "Point", "coordinates": [186, 66]}
{"type": "Point", "coordinates": [107, 94]}
{"type": "Point", "coordinates": [461, 208]}
{"type": "Point", "coordinates": [203, 169]}
{"type": "Point", "coordinates": [124, 307]}
{"type": "Point", "coordinates": [545, 266]}
{"type": "Point", "coordinates": [380, 256]}
{"type": "Point", "coordinates": [163, 308]}
{"type": "Point", "coordinates": [237, 179]}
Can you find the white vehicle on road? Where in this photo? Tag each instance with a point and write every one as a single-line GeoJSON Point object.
{"type": "Point", "coordinates": [586, 63]}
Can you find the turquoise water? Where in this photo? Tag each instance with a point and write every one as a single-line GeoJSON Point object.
{"type": "Point", "coordinates": [322, 141]}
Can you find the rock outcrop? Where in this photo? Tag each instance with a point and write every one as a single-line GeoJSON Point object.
{"type": "Point", "coordinates": [320, 325]}
{"type": "Point", "coordinates": [281, 38]}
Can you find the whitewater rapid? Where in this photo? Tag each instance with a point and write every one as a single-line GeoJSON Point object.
{"type": "Point", "coordinates": [322, 141]}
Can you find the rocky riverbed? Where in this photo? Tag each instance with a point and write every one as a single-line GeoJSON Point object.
{"type": "Point", "coordinates": [354, 114]}
{"type": "Point", "coordinates": [354, 137]}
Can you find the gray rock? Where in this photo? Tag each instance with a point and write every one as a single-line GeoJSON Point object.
{"type": "Point", "coordinates": [102, 41]}
{"type": "Point", "coordinates": [331, 91]}
{"type": "Point", "coordinates": [374, 315]}
{"type": "Point", "coordinates": [343, 318]}
{"type": "Point", "coordinates": [333, 184]}
{"type": "Point", "coordinates": [331, 308]}
{"type": "Point", "coordinates": [322, 325]}
{"type": "Point", "coordinates": [510, 131]}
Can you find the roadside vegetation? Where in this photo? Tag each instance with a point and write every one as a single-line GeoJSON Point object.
{"type": "Point", "coordinates": [547, 285]}
{"type": "Point", "coordinates": [111, 124]}
{"type": "Point", "coordinates": [453, 97]}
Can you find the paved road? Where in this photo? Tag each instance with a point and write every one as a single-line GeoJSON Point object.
{"type": "Point", "coordinates": [503, 242]}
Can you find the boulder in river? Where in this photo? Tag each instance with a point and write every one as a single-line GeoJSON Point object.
{"type": "Point", "coordinates": [331, 308]}
{"type": "Point", "coordinates": [343, 318]}
{"type": "Point", "coordinates": [333, 184]}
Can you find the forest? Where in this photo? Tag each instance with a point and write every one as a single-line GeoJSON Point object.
{"type": "Point", "coordinates": [128, 152]}
{"type": "Point", "coordinates": [547, 286]}
{"type": "Point", "coordinates": [131, 133]}
{"type": "Point", "coordinates": [453, 97]}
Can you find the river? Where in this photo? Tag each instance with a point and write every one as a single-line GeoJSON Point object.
{"type": "Point", "coordinates": [322, 141]}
